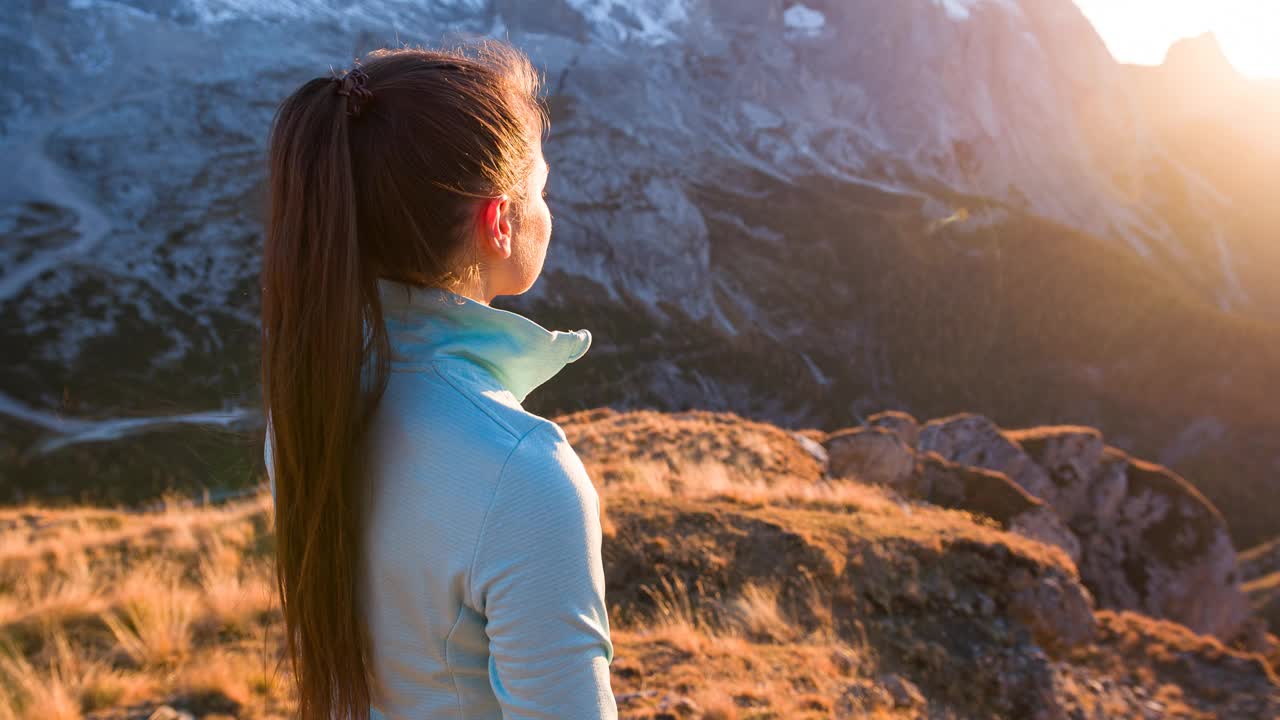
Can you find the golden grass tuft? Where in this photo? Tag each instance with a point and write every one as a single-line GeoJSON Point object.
{"type": "Point", "coordinates": [64, 687]}
{"type": "Point", "coordinates": [756, 613]}
{"type": "Point", "coordinates": [106, 609]}
{"type": "Point", "coordinates": [153, 623]}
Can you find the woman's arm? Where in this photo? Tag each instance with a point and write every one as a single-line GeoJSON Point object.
{"type": "Point", "coordinates": [538, 578]}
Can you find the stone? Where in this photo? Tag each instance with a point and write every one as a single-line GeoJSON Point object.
{"type": "Point", "coordinates": [1059, 614]}
{"type": "Point", "coordinates": [1043, 524]}
{"type": "Point", "coordinates": [813, 447]}
{"type": "Point", "coordinates": [871, 455]}
{"type": "Point", "coordinates": [863, 696]}
{"type": "Point", "coordinates": [1142, 537]}
{"type": "Point", "coordinates": [905, 426]}
{"type": "Point", "coordinates": [905, 694]}
{"type": "Point", "coordinates": [951, 485]}
{"type": "Point", "coordinates": [974, 440]}
{"type": "Point", "coordinates": [1071, 456]}
{"type": "Point", "coordinates": [1163, 550]}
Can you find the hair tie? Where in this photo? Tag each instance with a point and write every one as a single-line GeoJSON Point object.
{"type": "Point", "coordinates": [352, 85]}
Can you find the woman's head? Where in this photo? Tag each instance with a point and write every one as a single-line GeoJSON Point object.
{"type": "Point", "coordinates": [441, 138]}
{"type": "Point", "coordinates": [425, 167]}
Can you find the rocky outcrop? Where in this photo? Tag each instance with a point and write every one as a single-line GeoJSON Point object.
{"type": "Point", "coordinates": [1164, 550]}
{"type": "Point", "coordinates": [927, 594]}
{"type": "Point", "coordinates": [1142, 536]}
{"type": "Point", "coordinates": [968, 602]}
{"type": "Point", "coordinates": [1071, 455]}
{"type": "Point", "coordinates": [974, 440]}
{"type": "Point", "coordinates": [899, 423]}
{"type": "Point", "coordinates": [882, 454]}
{"type": "Point", "coordinates": [952, 485]}
{"type": "Point", "coordinates": [871, 454]}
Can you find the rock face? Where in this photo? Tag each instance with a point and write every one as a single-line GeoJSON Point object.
{"type": "Point", "coordinates": [1072, 457]}
{"type": "Point", "coordinates": [873, 455]}
{"type": "Point", "coordinates": [899, 423]}
{"type": "Point", "coordinates": [882, 454]}
{"type": "Point", "coordinates": [975, 603]}
{"type": "Point", "coordinates": [929, 594]}
{"type": "Point", "coordinates": [971, 439]}
{"type": "Point", "coordinates": [942, 482]}
{"type": "Point", "coordinates": [1143, 538]}
{"type": "Point", "coordinates": [1165, 551]}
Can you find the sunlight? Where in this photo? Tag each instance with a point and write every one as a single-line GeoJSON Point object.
{"type": "Point", "coordinates": [1140, 31]}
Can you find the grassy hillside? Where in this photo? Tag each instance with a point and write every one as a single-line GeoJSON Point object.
{"type": "Point", "coordinates": [741, 584]}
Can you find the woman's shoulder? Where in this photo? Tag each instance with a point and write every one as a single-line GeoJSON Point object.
{"type": "Point", "coordinates": [544, 472]}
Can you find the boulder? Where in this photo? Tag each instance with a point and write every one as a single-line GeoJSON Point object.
{"type": "Point", "coordinates": [1070, 455]}
{"type": "Point", "coordinates": [1144, 538]}
{"type": "Point", "coordinates": [1156, 545]}
{"type": "Point", "coordinates": [976, 441]}
{"type": "Point", "coordinates": [872, 455]}
{"type": "Point", "coordinates": [951, 485]}
{"type": "Point", "coordinates": [899, 423]}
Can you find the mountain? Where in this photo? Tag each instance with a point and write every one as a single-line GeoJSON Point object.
{"type": "Point", "coordinates": [1220, 126]}
{"type": "Point", "coordinates": [801, 212]}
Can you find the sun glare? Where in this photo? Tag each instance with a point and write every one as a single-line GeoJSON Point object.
{"type": "Point", "coordinates": [1140, 31]}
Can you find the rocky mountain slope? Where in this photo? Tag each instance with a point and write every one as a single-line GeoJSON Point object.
{"type": "Point", "coordinates": [937, 206]}
{"type": "Point", "coordinates": [744, 580]}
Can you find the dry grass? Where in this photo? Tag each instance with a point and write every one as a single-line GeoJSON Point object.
{"type": "Point", "coordinates": [154, 615]}
{"type": "Point", "coordinates": [110, 609]}
{"type": "Point", "coordinates": [615, 444]}
{"type": "Point", "coordinates": [104, 610]}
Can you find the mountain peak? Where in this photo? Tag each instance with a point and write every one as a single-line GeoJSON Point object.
{"type": "Point", "coordinates": [1200, 54]}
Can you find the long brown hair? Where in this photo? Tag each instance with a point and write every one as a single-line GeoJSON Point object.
{"type": "Point", "coordinates": [382, 182]}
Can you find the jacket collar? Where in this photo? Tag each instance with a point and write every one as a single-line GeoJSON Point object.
{"type": "Point", "coordinates": [427, 323]}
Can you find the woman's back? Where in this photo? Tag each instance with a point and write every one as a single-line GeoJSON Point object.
{"type": "Point", "coordinates": [483, 583]}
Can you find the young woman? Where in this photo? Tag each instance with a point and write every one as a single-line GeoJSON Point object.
{"type": "Point", "coordinates": [438, 547]}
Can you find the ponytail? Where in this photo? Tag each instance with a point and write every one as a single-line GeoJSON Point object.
{"type": "Point", "coordinates": [317, 297]}
{"type": "Point", "coordinates": [374, 175]}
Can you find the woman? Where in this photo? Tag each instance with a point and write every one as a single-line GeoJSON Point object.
{"type": "Point", "coordinates": [438, 547]}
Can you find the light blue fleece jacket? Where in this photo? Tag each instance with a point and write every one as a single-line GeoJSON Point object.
{"type": "Point", "coordinates": [483, 581]}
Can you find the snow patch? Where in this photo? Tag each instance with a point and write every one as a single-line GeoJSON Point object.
{"type": "Point", "coordinates": [961, 10]}
{"type": "Point", "coordinates": [760, 117]}
{"type": "Point", "coordinates": [804, 20]}
{"type": "Point", "coordinates": [648, 21]}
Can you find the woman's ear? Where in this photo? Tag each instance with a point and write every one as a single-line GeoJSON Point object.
{"type": "Point", "coordinates": [495, 226]}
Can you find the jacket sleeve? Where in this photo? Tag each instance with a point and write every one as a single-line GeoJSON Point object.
{"type": "Point", "coordinates": [538, 578]}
